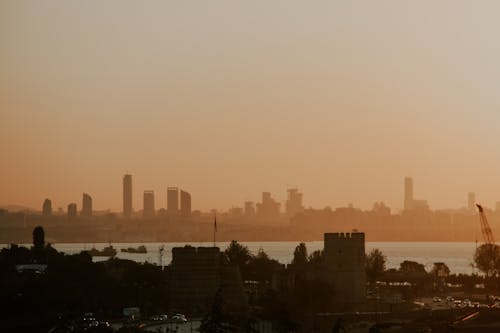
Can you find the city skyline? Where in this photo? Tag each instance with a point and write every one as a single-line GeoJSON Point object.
{"type": "Point", "coordinates": [335, 103]}
{"type": "Point", "coordinates": [178, 202]}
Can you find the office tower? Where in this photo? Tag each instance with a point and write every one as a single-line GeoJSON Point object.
{"type": "Point", "coordinates": [47, 207]}
{"type": "Point", "coordinates": [408, 200]}
{"type": "Point", "coordinates": [185, 204]}
{"type": "Point", "coordinates": [269, 208]}
{"type": "Point", "coordinates": [127, 196]}
{"type": "Point", "coordinates": [86, 205]}
{"type": "Point", "coordinates": [72, 211]}
{"type": "Point", "coordinates": [249, 209]}
{"type": "Point", "coordinates": [172, 200]}
{"type": "Point", "coordinates": [294, 202]}
{"type": "Point", "coordinates": [471, 201]}
{"type": "Point", "coordinates": [148, 205]}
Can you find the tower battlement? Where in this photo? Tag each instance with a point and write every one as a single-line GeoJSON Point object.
{"type": "Point", "coordinates": [347, 235]}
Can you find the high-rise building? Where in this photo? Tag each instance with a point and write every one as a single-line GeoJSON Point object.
{"type": "Point", "coordinates": [148, 205]}
{"type": "Point", "coordinates": [294, 202]}
{"type": "Point", "coordinates": [172, 200]}
{"type": "Point", "coordinates": [72, 211]}
{"type": "Point", "coordinates": [249, 209]}
{"type": "Point", "coordinates": [269, 208]}
{"type": "Point", "coordinates": [47, 207]}
{"type": "Point", "coordinates": [408, 200]}
{"type": "Point", "coordinates": [185, 204]}
{"type": "Point", "coordinates": [86, 205]}
{"type": "Point", "coordinates": [410, 203]}
{"type": "Point", "coordinates": [471, 201]}
{"type": "Point", "coordinates": [127, 196]}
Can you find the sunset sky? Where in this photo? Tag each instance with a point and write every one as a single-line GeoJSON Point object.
{"type": "Point", "coordinates": [227, 99]}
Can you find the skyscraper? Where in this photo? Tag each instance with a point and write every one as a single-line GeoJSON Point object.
{"type": "Point", "coordinates": [408, 200]}
{"type": "Point", "coordinates": [185, 204]}
{"type": "Point", "coordinates": [47, 207]}
{"type": "Point", "coordinates": [172, 200]}
{"type": "Point", "coordinates": [471, 201]}
{"type": "Point", "coordinates": [410, 203]}
{"type": "Point", "coordinates": [148, 205]}
{"type": "Point", "coordinates": [249, 209]}
{"type": "Point", "coordinates": [269, 208]}
{"type": "Point", "coordinates": [86, 205]}
{"type": "Point", "coordinates": [72, 211]}
{"type": "Point", "coordinates": [127, 196]}
{"type": "Point", "coordinates": [294, 202]}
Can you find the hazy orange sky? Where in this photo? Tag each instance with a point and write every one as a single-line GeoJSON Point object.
{"type": "Point", "coordinates": [227, 99]}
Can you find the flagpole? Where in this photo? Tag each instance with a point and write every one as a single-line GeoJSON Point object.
{"type": "Point", "coordinates": [215, 226]}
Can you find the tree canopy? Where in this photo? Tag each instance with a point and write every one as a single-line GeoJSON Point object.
{"type": "Point", "coordinates": [375, 264]}
{"type": "Point", "coordinates": [487, 259]}
{"type": "Point", "coordinates": [300, 255]}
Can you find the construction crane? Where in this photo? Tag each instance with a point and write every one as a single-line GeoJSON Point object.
{"type": "Point", "coordinates": [485, 227]}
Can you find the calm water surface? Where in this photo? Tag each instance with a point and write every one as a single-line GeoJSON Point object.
{"type": "Point", "coordinates": [458, 256]}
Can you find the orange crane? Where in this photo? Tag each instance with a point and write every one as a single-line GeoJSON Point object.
{"type": "Point", "coordinates": [485, 227]}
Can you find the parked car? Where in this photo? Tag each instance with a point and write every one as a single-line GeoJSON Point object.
{"type": "Point", "coordinates": [159, 317]}
{"type": "Point", "coordinates": [436, 299]}
{"type": "Point", "coordinates": [179, 318]}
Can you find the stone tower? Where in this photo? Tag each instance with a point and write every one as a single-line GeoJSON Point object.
{"type": "Point", "coordinates": [345, 265]}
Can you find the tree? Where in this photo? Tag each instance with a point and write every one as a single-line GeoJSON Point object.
{"type": "Point", "coordinates": [408, 266]}
{"type": "Point", "coordinates": [487, 259]}
{"type": "Point", "coordinates": [38, 237]}
{"type": "Point", "coordinates": [316, 259]}
{"type": "Point", "coordinates": [375, 265]}
{"type": "Point", "coordinates": [440, 269]}
{"type": "Point", "coordinates": [300, 255]}
{"type": "Point", "coordinates": [261, 267]}
{"type": "Point", "coordinates": [238, 255]}
{"type": "Point", "coordinates": [215, 320]}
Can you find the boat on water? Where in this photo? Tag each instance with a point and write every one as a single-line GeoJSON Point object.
{"type": "Point", "coordinates": [139, 249]}
{"type": "Point", "coordinates": [108, 251]}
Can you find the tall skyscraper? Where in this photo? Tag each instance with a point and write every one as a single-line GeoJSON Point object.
{"type": "Point", "coordinates": [185, 204]}
{"type": "Point", "coordinates": [294, 202]}
{"type": "Point", "coordinates": [408, 200]}
{"type": "Point", "coordinates": [471, 201]}
{"type": "Point", "coordinates": [127, 196]}
{"type": "Point", "coordinates": [72, 211]}
{"type": "Point", "coordinates": [172, 200]}
{"type": "Point", "coordinates": [249, 209]}
{"type": "Point", "coordinates": [148, 205]}
{"type": "Point", "coordinates": [47, 207]}
{"type": "Point", "coordinates": [86, 205]}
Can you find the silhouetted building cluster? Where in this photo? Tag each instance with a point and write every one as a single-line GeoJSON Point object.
{"type": "Point", "coordinates": [269, 208]}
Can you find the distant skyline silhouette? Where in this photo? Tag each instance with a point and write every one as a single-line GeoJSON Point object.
{"type": "Point", "coordinates": [178, 201]}
{"type": "Point", "coordinates": [340, 100]}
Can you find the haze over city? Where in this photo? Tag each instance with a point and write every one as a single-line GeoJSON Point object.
{"type": "Point", "coordinates": [231, 99]}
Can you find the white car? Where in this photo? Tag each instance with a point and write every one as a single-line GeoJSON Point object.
{"type": "Point", "coordinates": [179, 318]}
